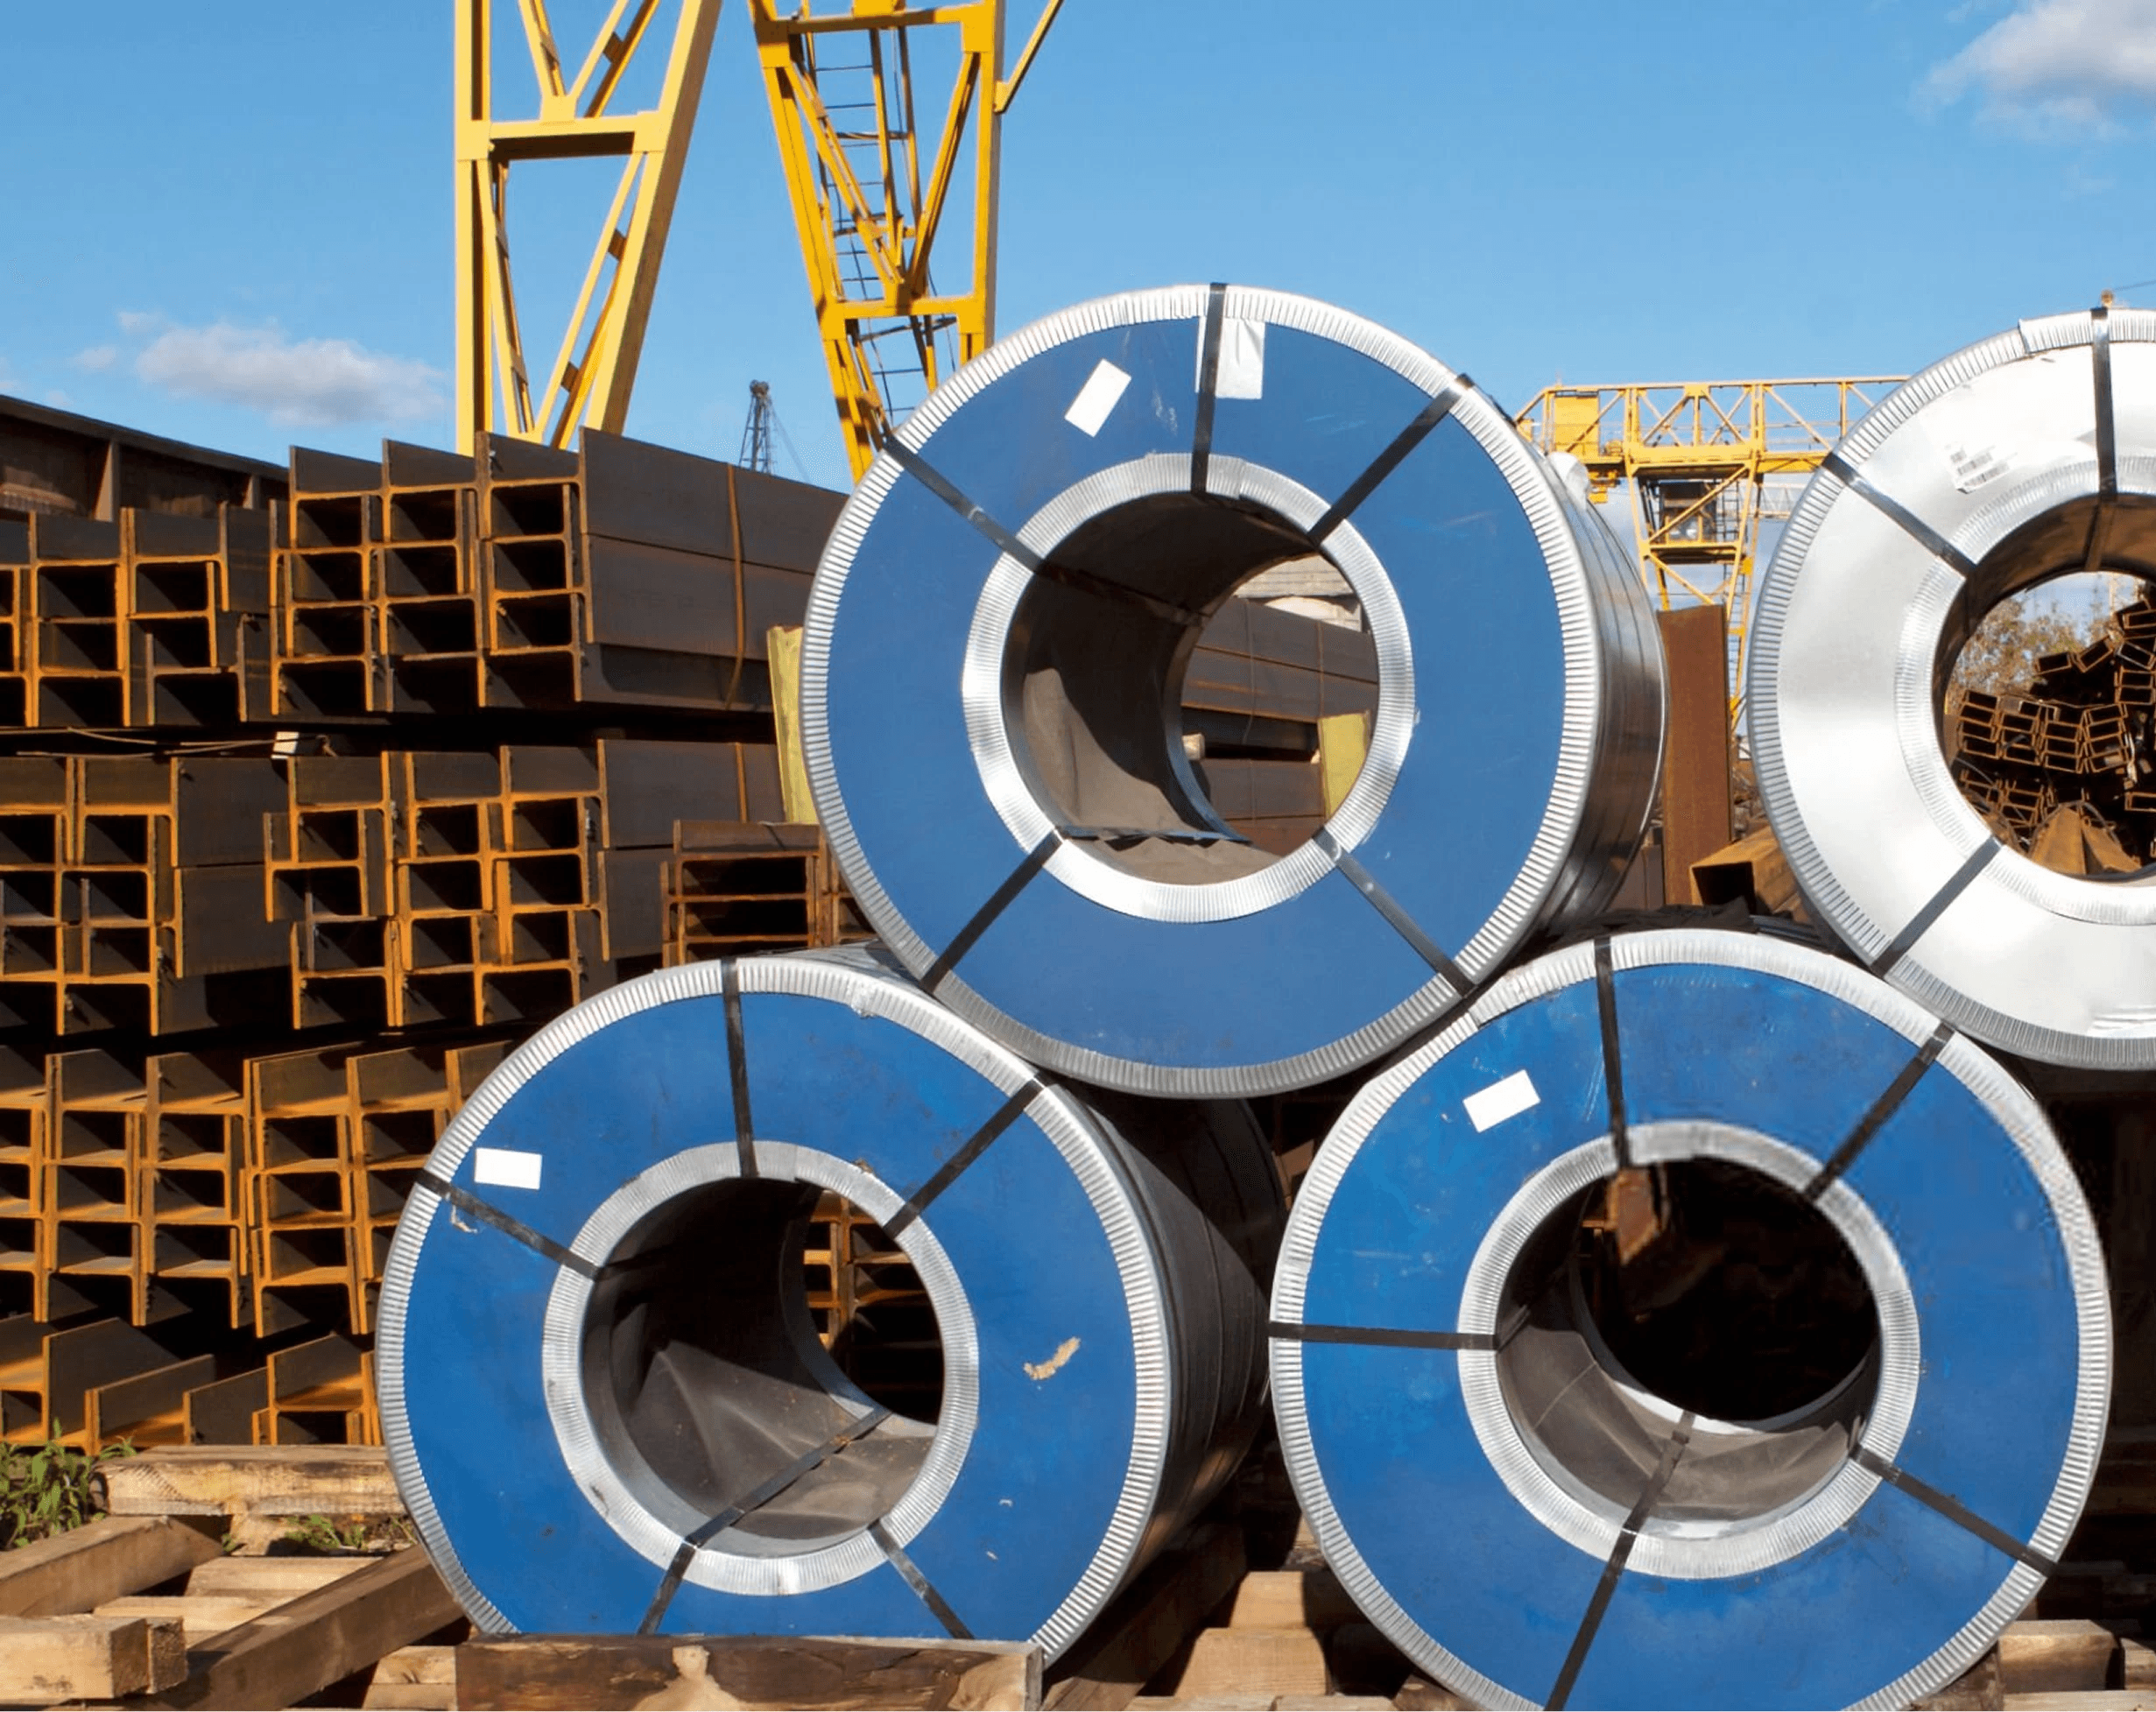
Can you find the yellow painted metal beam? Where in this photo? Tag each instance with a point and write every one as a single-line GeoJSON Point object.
{"type": "Point", "coordinates": [594, 365]}
{"type": "Point", "coordinates": [1695, 457]}
{"type": "Point", "coordinates": [841, 87]}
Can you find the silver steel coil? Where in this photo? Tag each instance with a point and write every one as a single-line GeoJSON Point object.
{"type": "Point", "coordinates": [607, 1404]}
{"type": "Point", "coordinates": [2024, 457]}
{"type": "Point", "coordinates": [995, 653]}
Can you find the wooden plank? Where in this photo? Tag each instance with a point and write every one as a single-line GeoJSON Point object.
{"type": "Point", "coordinates": [1975, 1690]}
{"type": "Point", "coordinates": [2087, 1700]}
{"type": "Point", "coordinates": [297, 1648]}
{"type": "Point", "coordinates": [1288, 1662]}
{"type": "Point", "coordinates": [202, 1618]}
{"type": "Point", "coordinates": [85, 1566]}
{"type": "Point", "coordinates": [269, 1580]}
{"type": "Point", "coordinates": [598, 1672]}
{"type": "Point", "coordinates": [1152, 1618]}
{"type": "Point", "coordinates": [2137, 1664]}
{"type": "Point", "coordinates": [2070, 1655]}
{"type": "Point", "coordinates": [1292, 1599]}
{"type": "Point", "coordinates": [265, 1480]}
{"type": "Point", "coordinates": [87, 1657]}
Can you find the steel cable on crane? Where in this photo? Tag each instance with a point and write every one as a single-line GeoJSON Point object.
{"type": "Point", "coordinates": [607, 1406]}
{"type": "Point", "coordinates": [1540, 1502]}
{"type": "Point", "coordinates": [994, 650]}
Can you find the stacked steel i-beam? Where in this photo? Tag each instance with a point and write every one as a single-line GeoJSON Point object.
{"type": "Point", "coordinates": [309, 812]}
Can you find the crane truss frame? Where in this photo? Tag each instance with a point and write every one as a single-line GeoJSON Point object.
{"type": "Point", "coordinates": [869, 219]}
{"type": "Point", "coordinates": [594, 367]}
{"type": "Point", "coordinates": [1697, 457]}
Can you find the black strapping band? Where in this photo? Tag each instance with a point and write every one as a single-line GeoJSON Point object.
{"type": "Point", "coordinates": [738, 1067]}
{"type": "Point", "coordinates": [1612, 1052]}
{"type": "Point", "coordinates": [1954, 1511]}
{"type": "Point", "coordinates": [1068, 575]}
{"type": "Point", "coordinates": [1304, 1332]}
{"type": "Point", "coordinates": [919, 1582]}
{"type": "Point", "coordinates": [1208, 387]}
{"type": "Point", "coordinates": [1920, 923]}
{"type": "Point", "coordinates": [1907, 521]}
{"type": "Point", "coordinates": [985, 917]}
{"type": "Point", "coordinates": [1383, 901]}
{"type": "Point", "coordinates": [1882, 1108]}
{"type": "Point", "coordinates": [976, 1145]}
{"type": "Point", "coordinates": [747, 1504]}
{"type": "Point", "coordinates": [1389, 460]}
{"type": "Point", "coordinates": [1620, 1554]}
{"type": "Point", "coordinates": [465, 1201]}
{"type": "Point", "coordinates": [2107, 423]}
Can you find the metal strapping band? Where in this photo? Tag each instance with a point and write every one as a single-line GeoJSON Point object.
{"type": "Point", "coordinates": [1605, 1590]}
{"type": "Point", "coordinates": [1304, 1332]}
{"type": "Point", "coordinates": [738, 1067]}
{"type": "Point", "coordinates": [1907, 521]}
{"type": "Point", "coordinates": [919, 1582]}
{"type": "Point", "coordinates": [1389, 459]}
{"type": "Point", "coordinates": [2106, 421]}
{"type": "Point", "coordinates": [1954, 1511]}
{"type": "Point", "coordinates": [1920, 923]}
{"type": "Point", "coordinates": [747, 1504]}
{"type": "Point", "coordinates": [1068, 575]}
{"type": "Point", "coordinates": [465, 1201]}
{"type": "Point", "coordinates": [976, 1145]}
{"type": "Point", "coordinates": [1882, 1108]}
{"type": "Point", "coordinates": [985, 917]}
{"type": "Point", "coordinates": [1612, 1052]}
{"type": "Point", "coordinates": [1209, 387]}
{"type": "Point", "coordinates": [1137, 834]}
{"type": "Point", "coordinates": [1402, 923]}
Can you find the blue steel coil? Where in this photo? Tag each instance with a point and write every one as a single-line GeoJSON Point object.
{"type": "Point", "coordinates": [1534, 1525]}
{"type": "Point", "coordinates": [994, 652]}
{"type": "Point", "coordinates": [607, 1404]}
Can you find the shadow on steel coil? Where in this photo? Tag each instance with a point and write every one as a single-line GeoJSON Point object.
{"type": "Point", "coordinates": [607, 1404]}
{"type": "Point", "coordinates": [1540, 1504]}
{"type": "Point", "coordinates": [996, 639]}
{"type": "Point", "coordinates": [2024, 457]}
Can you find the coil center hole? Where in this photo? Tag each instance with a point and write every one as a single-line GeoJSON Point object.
{"type": "Point", "coordinates": [2046, 689]}
{"type": "Point", "coordinates": [1699, 1285]}
{"type": "Point", "coordinates": [1190, 688]}
{"type": "Point", "coordinates": [738, 1329]}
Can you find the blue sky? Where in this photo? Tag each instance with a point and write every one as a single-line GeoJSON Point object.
{"type": "Point", "coordinates": [232, 224]}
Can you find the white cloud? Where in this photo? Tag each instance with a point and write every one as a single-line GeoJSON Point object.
{"type": "Point", "coordinates": [2058, 66]}
{"type": "Point", "coordinates": [97, 358]}
{"type": "Point", "coordinates": [295, 382]}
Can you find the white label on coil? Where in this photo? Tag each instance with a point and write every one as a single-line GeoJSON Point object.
{"type": "Point", "coordinates": [508, 1168]}
{"type": "Point", "coordinates": [1242, 371]}
{"type": "Point", "coordinates": [1097, 397]}
{"type": "Point", "coordinates": [1968, 435]}
{"type": "Point", "coordinates": [1501, 1100]}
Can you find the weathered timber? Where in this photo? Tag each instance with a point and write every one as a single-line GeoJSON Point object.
{"type": "Point", "coordinates": [597, 1672]}
{"type": "Point", "coordinates": [45, 1658]}
{"type": "Point", "coordinates": [298, 1648]}
{"type": "Point", "coordinates": [1292, 1599]}
{"type": "Point", "coordinates": [261, 1480]}
{"type": "Point", "coordinates": [1150, 1621]}
{"type": "Point", "coordinates": [1975, 1690]}
{"type": "Point", "coordinates": [1248, 1661]}
{"type": "Point", "coordinates": [88, 1566]}
{"type": "Point", "coordinates": [2070, 1655]}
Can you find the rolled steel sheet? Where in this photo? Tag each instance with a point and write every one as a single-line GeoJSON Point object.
{"type": "Point", "coordinates": [990, 685]}
{"type": "Point", "coordinates": [608, 1409]}
{"type": "Point", "coordinates": [2028, 455]}
{"type": "Point", "coordinates": [1533, 1524]}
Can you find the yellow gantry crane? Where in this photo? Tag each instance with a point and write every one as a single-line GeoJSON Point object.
{"type": "Point", "coordinates": [870, 193]}
{"type": "Point", "coordinates": [1705, 463]}
{"type": "Point", "coordinates": [595, 367]}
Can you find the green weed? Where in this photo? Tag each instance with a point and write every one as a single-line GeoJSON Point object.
{"type": "Point", "coordinates": [47, 1489]}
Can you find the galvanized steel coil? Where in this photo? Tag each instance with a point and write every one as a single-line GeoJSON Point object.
{"type": "Point", "coordinates": [2027, 455]}
{"type": "Point", "coordinates": [993, 657]}
{"type": "Point", "coordinates": [1533, 1524]}
{"type": "Point", "coordinates": [608, 1409]}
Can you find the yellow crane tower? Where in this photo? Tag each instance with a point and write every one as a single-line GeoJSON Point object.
{"type": "Point", "coordinates": [1705, 463]}
{"type": "Point", "coordinates": [870, 193]}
